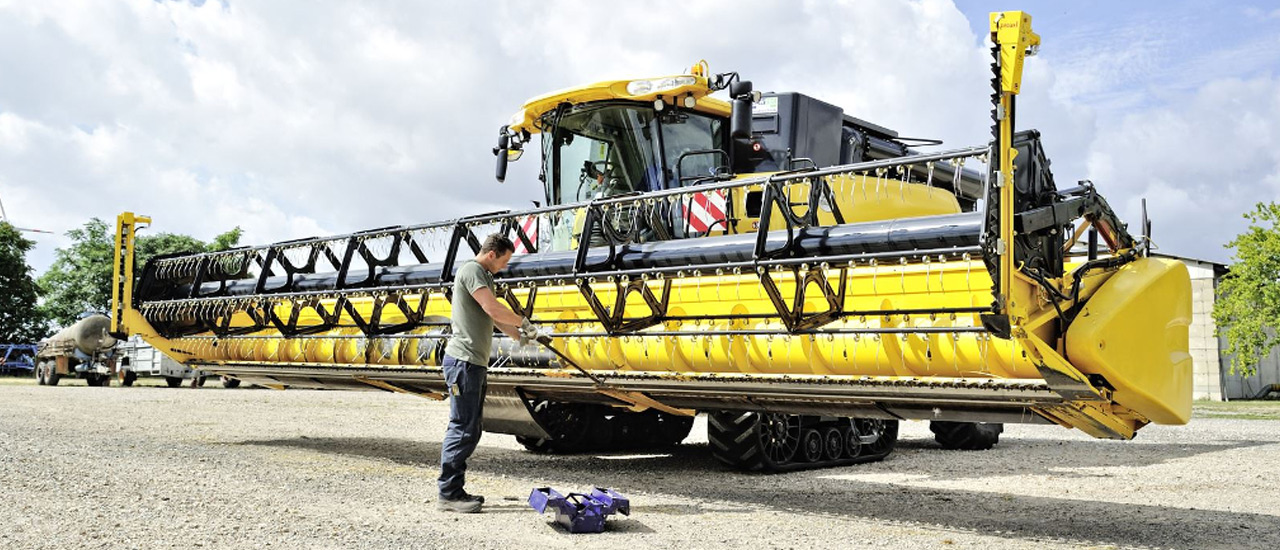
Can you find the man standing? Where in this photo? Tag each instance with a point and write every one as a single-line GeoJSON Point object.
{"type": "Point", "coordinates": [475, 313]}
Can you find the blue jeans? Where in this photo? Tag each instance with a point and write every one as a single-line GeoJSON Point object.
{"type": "Point", "coordinates": [466, 387]}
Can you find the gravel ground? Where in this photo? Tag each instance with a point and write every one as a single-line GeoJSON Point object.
{"type": "Point", "coordinates": [151, 467]}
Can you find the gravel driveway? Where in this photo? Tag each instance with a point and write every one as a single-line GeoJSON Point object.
{"type": "Point", "coordinates": [150, 467]}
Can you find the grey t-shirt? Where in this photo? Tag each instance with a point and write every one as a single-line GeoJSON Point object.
{"type": "Point", "coordinates": [472, 327]}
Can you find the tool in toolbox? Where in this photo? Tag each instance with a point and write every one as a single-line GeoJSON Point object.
{"type": "Point", "coordinates": [579, 512]}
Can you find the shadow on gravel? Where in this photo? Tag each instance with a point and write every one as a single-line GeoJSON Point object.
{"type": "Point", "coordinates": [689, 471]}
{"type": "Point", "coordinates": [1055, 457]}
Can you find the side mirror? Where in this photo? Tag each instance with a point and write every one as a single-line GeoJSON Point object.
{"type": "Point", "coordinates": [740, 117]}
{"type": "Point", "coordinates": [502, 151]}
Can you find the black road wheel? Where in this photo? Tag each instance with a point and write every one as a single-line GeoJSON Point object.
{"type": "Point", "coordinates": [104, 380]}
{"type": "Point", "coordinates": [833, 444]}
{"type": "Point", "coordinates": [51, 376]}
{"type": "Point", "coordinates": [128, 377]}
{"type": "Point", "coordinates": [173, 381]}
{"type": "Point", "coordinates": [230, 383]}
{"type": "Point", "coordinates": [813, 445]}
{"type": "Point", "coordinates": [966, 436]}
{"type": "Point", "coordinates": [92, 380]}
{"type": "Point", "coordinates": [200, 380]}
{"type": "Point", "coordinates": [852, 440]}
{"type": "Point", "coordinates": [39, 371]}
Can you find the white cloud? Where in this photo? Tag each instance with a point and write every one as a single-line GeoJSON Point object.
{"type": "Point", "coordinates": [293, 119]}
{"type": "Point", "coordinates": [1201, 161]}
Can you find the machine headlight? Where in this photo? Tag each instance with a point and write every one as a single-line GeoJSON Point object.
{"type": "Point", "coordinates": [639, 87]}
{"type": "Point", "coordinates": [642, 87]}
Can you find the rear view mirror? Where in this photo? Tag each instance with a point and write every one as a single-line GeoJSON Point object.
{"type": "Point", "coordinates": [503, 152]}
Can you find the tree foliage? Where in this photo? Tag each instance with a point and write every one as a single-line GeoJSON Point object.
{"type": "Point", "coordinates": [80, 278]}
{"type": "Point", "coordinates": [21, 321]}
{"type": "Point", "coordinates": [1247, 308]}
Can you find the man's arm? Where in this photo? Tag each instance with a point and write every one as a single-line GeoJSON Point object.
{"type": "Point", "coordinates": [512, 332]}
{"type": "Point", "coordinates": [501, 314]}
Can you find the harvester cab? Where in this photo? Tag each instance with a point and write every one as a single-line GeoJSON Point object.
{"type": "Point", "coordinates": [638, 137]}
{"type": "Point", "coordinates": [801, 276]}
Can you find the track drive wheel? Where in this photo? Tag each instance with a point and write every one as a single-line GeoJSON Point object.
{"type": "Point", "coordinates": [877, 437]}
{"type": "Point", "coordinates": [966, 436]}
{"type": "Point", "coordinates": [754, 441]}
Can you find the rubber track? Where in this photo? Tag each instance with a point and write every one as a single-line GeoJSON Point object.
{"type": "Point", "coordinates": [733, 441]}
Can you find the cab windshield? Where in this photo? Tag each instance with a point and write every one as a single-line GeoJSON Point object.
{"type": "Point", "coordinates": [607, 150]}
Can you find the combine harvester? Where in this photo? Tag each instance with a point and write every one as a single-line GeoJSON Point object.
{"type": "Point", "coordinates": [801, 276]}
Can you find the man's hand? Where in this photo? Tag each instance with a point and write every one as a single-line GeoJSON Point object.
{"type": "Point", "coordinates": [528, 332]}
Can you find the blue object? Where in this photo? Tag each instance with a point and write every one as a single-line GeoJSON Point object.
{"type": "Point", "coordinates": [15, 357]}
{"type": "Point", "coordinates": [578, 512]}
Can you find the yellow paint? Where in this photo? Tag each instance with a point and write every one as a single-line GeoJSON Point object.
{"type": "Point", "coordinates": [1134, 333]}
{"type": "Point", "coordinates": [524, 119]}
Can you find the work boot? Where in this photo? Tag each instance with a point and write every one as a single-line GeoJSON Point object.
{"type": "Point", "coordinates": [466, 504]}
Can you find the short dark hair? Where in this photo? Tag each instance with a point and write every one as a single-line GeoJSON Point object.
{"type": "Point", "coordinates": [498, 244]}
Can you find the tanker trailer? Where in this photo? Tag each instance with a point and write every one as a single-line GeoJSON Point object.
{"type": "Point", "coordinates": [86, 349]}
{"type": "Point", "coordinates": [803, 277]}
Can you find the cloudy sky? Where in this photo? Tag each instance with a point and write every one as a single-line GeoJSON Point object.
{"type": "Point", "coordinates": [295, 118]}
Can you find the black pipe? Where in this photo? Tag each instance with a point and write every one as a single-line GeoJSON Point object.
{"type": "Point", "coordinates": [952, 235]}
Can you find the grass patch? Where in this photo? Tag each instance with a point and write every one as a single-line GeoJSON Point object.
{"type": "Point", "coordinates": [1238, 410]}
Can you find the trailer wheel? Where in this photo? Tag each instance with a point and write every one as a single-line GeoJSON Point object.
{"type": "Point", "coordinates": [173, 381]}
{"type": "Point", "coordinates": [39, 370]}
{"type": "Point", "coordinates": [966, 436]}
{"type": "Point", "coordinates": [128, 377]}
{"type": "Point", "coordinates": [230, 383]}
{"type": "Point", "coordinates": [51, 378]}
{"type": "Point", "coordinates": [92, 380]}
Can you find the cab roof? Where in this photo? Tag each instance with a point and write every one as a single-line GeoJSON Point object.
{"type": "Point", "coordinates": [671, 89]}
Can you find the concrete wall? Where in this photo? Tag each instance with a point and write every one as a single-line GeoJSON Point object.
{"type": "Point", "coordinates": [1205, 356]}
{"type": "Point", "coordinates": [1212, 378]}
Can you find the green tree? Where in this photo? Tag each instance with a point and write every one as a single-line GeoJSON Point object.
{"type": "Point", "coordinates": [79, 279]}
{"type": "Point", "coordinates": [21, 321]}
{"type": "Point", "coordinates": [1247, 308]}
